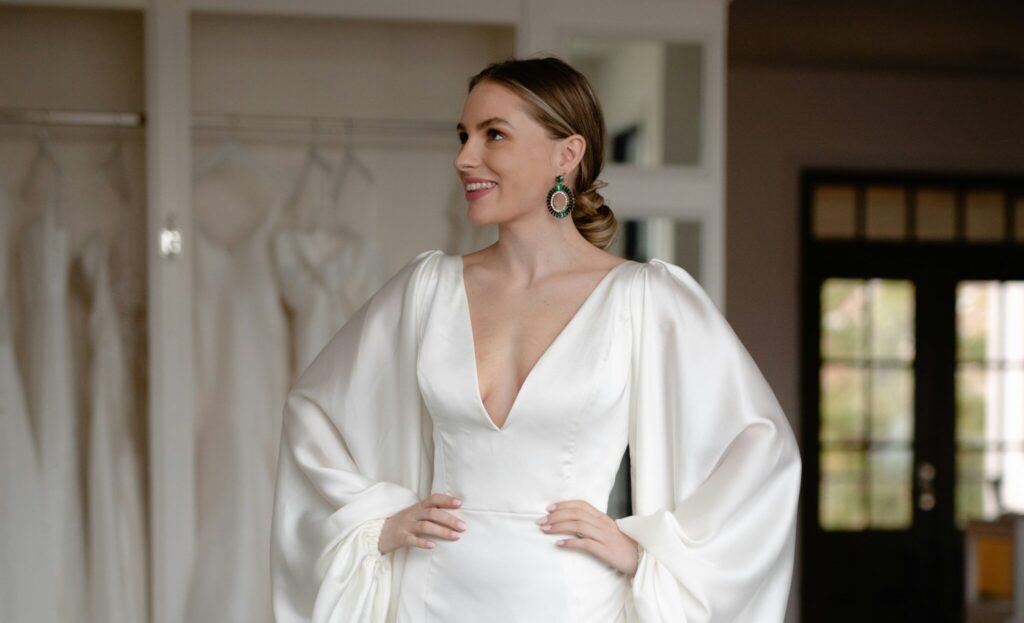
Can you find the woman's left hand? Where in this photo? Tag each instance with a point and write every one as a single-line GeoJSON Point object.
{"type": "Point", "coordinates": [594, 532]}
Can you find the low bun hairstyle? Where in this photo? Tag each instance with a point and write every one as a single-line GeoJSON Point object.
{"type": "Point", "coordinates": [561, 100]}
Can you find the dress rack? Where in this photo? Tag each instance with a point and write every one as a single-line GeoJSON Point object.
{"type": "Point", "coordinates": [348, 126]}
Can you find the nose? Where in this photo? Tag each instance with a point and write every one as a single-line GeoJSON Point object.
{"type": "Point", "coordinates": [467, 157]}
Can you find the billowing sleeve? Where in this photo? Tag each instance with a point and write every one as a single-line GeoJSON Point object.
{"type": "Point", "coordinates": [715, 467]}
{"type": "Point", "coordinates": [356, 447]}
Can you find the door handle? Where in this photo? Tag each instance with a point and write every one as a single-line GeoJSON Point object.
{"type": "Point", "coordinates": [926, 486]}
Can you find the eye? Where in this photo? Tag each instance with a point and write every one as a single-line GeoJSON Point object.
{"type": "Point", "coordinates": [490, 131]}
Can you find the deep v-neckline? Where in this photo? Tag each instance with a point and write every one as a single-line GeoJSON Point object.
{"type": "Point", "coordinates": [468, 324]}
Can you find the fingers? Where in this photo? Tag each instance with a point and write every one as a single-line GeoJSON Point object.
{"type": "Point", "coordinates": [442, 501]}
{"type": "Point", "coordinates": [577, 522]}
{"type": "Point", "coordinates": [431, 521]}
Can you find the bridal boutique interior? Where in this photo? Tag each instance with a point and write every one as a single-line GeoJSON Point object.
{"type": "Point", "coordinates": [194, 191]}
{"type": "Point", "coordinates": [196, 195]}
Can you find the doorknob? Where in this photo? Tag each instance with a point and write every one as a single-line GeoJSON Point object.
{"type": "Point", "coordinates": [925, 483]}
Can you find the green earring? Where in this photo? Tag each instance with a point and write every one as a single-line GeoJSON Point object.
{"type": "Point", "coordinates": [570, 199]}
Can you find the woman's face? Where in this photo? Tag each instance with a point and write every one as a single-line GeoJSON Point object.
{"type": "Point", "coordinates": [503, 145]}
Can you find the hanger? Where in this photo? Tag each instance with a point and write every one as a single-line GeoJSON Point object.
{"type": "Point", "coordinates": [231, 150]}
{"type": "Point", "coordinates": [314, 158]}
{"type": "Point", "coordinates": [349, 160]}
{"type": "Point", "coordinates": [116, 169]}
{"type": "Point", "coordinates": [45, 156]}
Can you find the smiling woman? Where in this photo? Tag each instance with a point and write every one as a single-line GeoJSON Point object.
{"type": "Point", "coordinates": [449, 455]}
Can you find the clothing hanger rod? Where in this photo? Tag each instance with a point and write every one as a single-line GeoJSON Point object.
{"type": "Point", "coordinates": [28, 116]}
{"type": "Point", "coordinates": [325, 124]}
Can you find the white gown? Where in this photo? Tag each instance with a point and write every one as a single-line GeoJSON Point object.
{"type": "Point", "coordinates": [24, 564]}
{"type": "Point", "coordinates": [50, 396]}
{"type": "Point", "coordinates": [117, 545]}
{"type": "Point", "coordinates": [241, 375]}
{"type": "Point", "coordinates": [324, 277]}
{"type": "Point", "coordinates": [390, 412]}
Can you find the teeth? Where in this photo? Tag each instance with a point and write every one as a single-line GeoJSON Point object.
{"type": "Point", "coordinates": [480, 185]}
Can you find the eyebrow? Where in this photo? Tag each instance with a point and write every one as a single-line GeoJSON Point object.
{"type": "Point", "coordinates": [485, 123]}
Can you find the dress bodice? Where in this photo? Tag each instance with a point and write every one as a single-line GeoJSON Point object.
{"type": "Point", "coordinates": [566, 432]}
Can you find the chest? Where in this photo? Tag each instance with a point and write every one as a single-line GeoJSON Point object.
{"type": "Point", "coordinates": [559, 367]}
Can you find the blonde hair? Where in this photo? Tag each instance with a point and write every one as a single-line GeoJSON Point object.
{"type": "Point", "coordinates": [561, 100]}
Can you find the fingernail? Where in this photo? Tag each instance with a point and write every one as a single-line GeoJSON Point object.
{"type": "Point", "coordinates": [542, 520]}
{"type": "Point", "coordinates": [550, 508]}
{"type": "Point", "coordinates": [458, 502]}
{"type": "Point", "coordinates": [462, 525]}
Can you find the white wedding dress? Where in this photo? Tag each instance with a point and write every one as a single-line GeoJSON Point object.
{"type": "Point", "coordinates": [324, 277]}
{"type": "Point", "coordinates": [391, 412]}
{"type": "Point", "coordinates": [241, 376]}
{"type": "Point", "coordinates": [49, 390]}
{"type": "Point", "coordinates": [24, 561]}
{"type": "Point", "coordinates": [117, 543]}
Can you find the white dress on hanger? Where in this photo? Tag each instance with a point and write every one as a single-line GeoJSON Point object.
{"type": "Point", "coordinates": [325, 276]}
{"type": "Point", "coordinates": [50, 396]}
{"type": "Point", "coordinates": [117, 545]}
{"type": "Point", "coordinates": [391, 412]}
{"type": "Point", "coordinates": [24, 561]}
{"type": "Point", "coordinates": [241, 376]}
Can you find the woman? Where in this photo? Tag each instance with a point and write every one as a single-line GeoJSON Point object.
{"type": "Point", "coordinates": [449, 455]}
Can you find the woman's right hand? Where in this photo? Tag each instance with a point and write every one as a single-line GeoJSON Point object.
{"type": "Point", "coordinates": [408, 527]}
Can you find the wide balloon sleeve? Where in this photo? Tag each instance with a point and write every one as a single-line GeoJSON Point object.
{"type": "Point", "coordinates": [715, 467]}
{"type": "Point", "coordinates": [356, 447]}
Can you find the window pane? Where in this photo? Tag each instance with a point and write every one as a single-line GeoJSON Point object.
{"type": "Point", "coordinates": [972, 385]}
{"type": "Point", "coordinates": [891, 488]}
{"type": "Point", "coordinates": [985, 216]}
{"type": "Point", "coordinates": [936, 214]}
{"type": "Point", "coordinates": [886, 213]}
{"type": "Point", "coordinates": [833, 214]}
{"type": "Point", "coordinates": [892, 319]}
{"type": "Point", "coordinates": [892, 404]}
{"type": "Point", "coordinates": [974, 315]}
{"type": "Point", "coordinates": [1018, 219]}
{"type": "Point", "coordinates": [842, 492]}
{"type": "Point", "coordinates": [842, 402]}
{"type": "Point", "coordinates": [842, 318]}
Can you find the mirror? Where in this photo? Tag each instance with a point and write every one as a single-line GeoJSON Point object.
{"type": "Point", "coordinates": [650, 93]}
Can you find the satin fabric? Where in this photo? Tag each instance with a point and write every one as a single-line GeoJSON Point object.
{"type": "Point", "coordinates": [390, 412]}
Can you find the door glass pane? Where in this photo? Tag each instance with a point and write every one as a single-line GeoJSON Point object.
{"type": "Point", "coordinates": [842, 319]}
{"type": "Point", "coordinates": [842, 490]}
{"type": "Point", "coordinates": [866, 404]}
{"type": "Point", "coordinates": [890, 493]}
{"type": "Point", "coordinates": [989, 399]}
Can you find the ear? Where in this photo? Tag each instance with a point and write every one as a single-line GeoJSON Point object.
{"type": "Point", "coordinates": [568, 154]}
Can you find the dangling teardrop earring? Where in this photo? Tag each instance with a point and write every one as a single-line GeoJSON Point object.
{"type": "Point", "coordinates": [570, 199]}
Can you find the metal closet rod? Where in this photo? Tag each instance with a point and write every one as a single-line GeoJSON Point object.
{"type": "Point", "coordinates": [306, 124]}
{"type": "Point", "coordinates": [25, 116]}
{"type": "Point", "coordinates": [226, 122]}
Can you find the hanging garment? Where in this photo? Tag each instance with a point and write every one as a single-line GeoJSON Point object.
{"type": "Point", "coordinates": [50, 396]}
{"type": "Point", "coordinates": [24, 558]}
{"type": "Point", "coordinates": [241, 376]}
{"type": "Point", "coordinates": [117, 547]}
{"type": "Point", "coordinates": [391, 412]}
{"type": "Point", "coordinates": [324, 277]}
